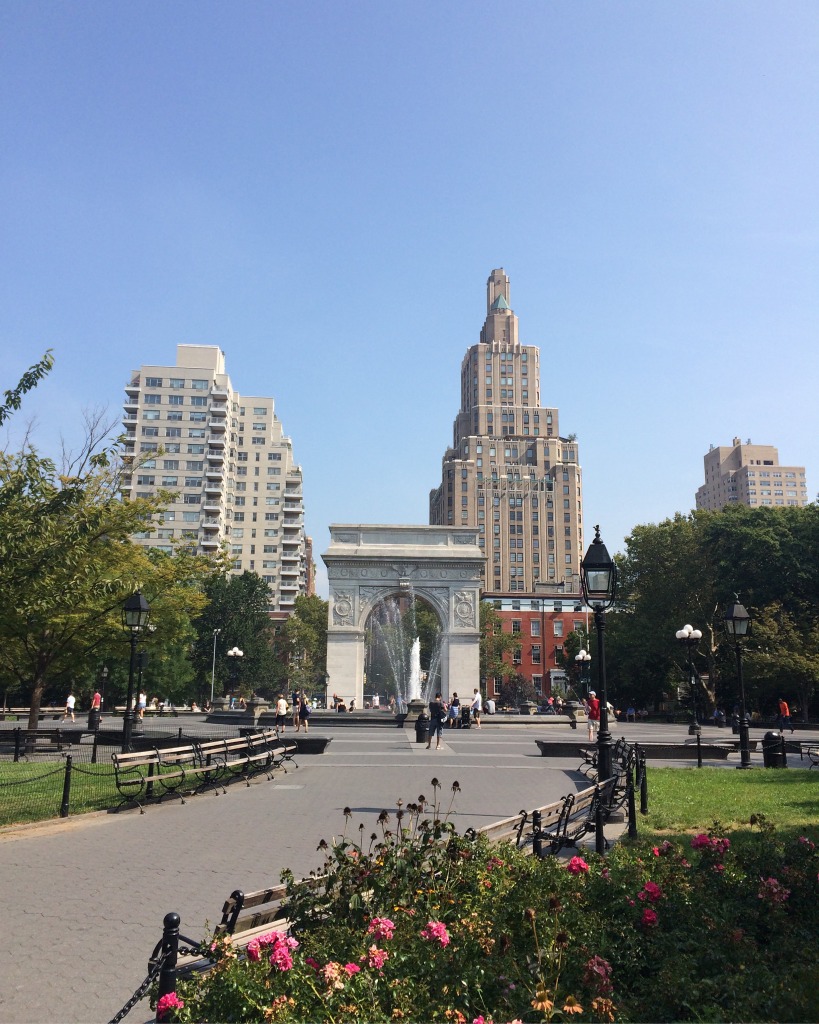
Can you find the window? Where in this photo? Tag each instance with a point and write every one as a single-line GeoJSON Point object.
{"type": "Point", "coordinates": [199, 385]}
{"type": "Point", "coordinates": [535, 654]}
{"type": "Point", "coordinates": [260, 426]}
{"type": "Point", "coordinates": [153, 399]}
{"type": "Point", "coordinates": [257, 440]}
{"type": "Point", "coordinates": [173, 431]}
{"type": "Point", "coordinates": [146, 481]}
{"type": "Point", "coordinates": [191, 499]}
{"type": "Point", "coordinates": [170, 481]}
{"type": "Point", "coordinates": [515, 625]}
{"type": "Point", "coordinates": [176, 399]}
{"type": "Point", "coordinates": [190, 517]}
{"type": "Point", "coordinates": [534, 626]}
{"type": "Point", "coordinates": [193, 481]}
{"type": "Point", "coordinates": [198, 417]}
{"type": "Point", "coordinates": [196, 432]}
{"type": "Point", "coordinates": [150, 431]}
{"type": "Point", "coordinates": [153, 382]}
{"type": "Point", "coordinates": [196, 449]}
{"type": "Point", "coordinates": [175, 417]}
{"type": "Point", "coordinates": [176, 383]}
{"type": "Point", "coordinates": [194, 464]}
{"type": "Point", "coordinates": [557, 627]}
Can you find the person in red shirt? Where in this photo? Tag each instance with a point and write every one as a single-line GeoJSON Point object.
{"type": "Point", "coordinates": [784, 715]}
{"type": "Point", "coordinates": [593, 711]}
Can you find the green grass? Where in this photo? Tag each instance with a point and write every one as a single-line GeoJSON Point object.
{"type": "Point", "coordinates": [33, 791]}
{"type": "Point", "coordinates": [692, 799]}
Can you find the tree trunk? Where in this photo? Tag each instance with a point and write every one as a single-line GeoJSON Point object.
{"type": "Point", "coordinates": [37, 687]}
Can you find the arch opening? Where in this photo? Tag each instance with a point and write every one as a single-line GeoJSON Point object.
{"type": "Point", "coordinates": [403, 637]}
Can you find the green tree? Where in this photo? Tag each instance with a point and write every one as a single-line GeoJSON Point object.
{"type": "Point", "coordinates": [515, 690]}
{"type": "Point", "coordinates": [237, 606]}
{"type": "Point", "coordinates": [306, 636]}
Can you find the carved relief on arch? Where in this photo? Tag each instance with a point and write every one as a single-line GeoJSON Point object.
{"type": "Point", "coordinates": [465, 609]}
{"type": "Point", "coordinates": [343, 603]}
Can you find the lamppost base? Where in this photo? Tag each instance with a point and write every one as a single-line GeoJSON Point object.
{"type": "Point", "coordinates": [694, 730]}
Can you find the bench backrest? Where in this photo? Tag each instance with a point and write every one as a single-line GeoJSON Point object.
{"type": "Point", "coordinates": [243, 912]}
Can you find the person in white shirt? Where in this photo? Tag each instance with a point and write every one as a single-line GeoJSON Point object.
{"type": "Point", "coordinates": [476, 707]}
{"type": "Point", "coordinates": [490, 706]}
{"type": "Point", "coordinates": [70, 703]}
{"type": "Point", "coordinates": [281, 713]}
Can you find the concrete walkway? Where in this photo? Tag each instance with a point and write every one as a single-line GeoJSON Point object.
{"type": "Point", "coordinates": [84, 897]}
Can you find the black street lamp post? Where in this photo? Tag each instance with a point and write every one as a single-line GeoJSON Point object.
{"type": "Point", "coordinates": [598, 577]}
{"type": "Point", "coordinates": [737, 621]}
{"type": "Point", "coordinates": [583, 659]}
{"type": "Point", "coordinates": [689, 638]}
{"type": "Point", "coordinates": [235, 656]}
{"type": "Point", "coordinates": [135, 615]}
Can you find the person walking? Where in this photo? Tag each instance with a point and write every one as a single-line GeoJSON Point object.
{"type": "Point", "coordinates": [70, 704]}
{"type": "Point", "coordinates": [437, 714]}
{"type": "Point", "coordinates": [304, 711]}
{"type": "Point", "coordinates": [784, 715]}
{"type": "Point", "coordinates": [593, 712]}
{"type": "Point", "coordinates": [142, 703]}
{"type": "Point", "coordinates": [281, 714]}
{"type": "Point", "coordinates": [476, 707]}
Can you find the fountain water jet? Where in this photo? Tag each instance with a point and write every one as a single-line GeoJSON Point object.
{"type": "Point", "coordinates": [397, 633]}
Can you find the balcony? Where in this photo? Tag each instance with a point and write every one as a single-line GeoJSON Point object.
{"type": "Point", "coordinates": [134, 386]}
{"type": "Point", "coordinates": [215, 441]}
{"type": "Point", "coordinates": [209, 543]}
{"type": "Point", "coordinates": [215, 473]}
{"type": "Point", "coordinates": [129, 417]}
{"type": "Point", "coordinates": [218, 410]}
{"type": "Point", "coordinates": [289, 585]}
{"type": "Point", "coordinates": [213, 487]}
{"type": "Point", "coordinates": [219, 392]}
{"type": "Point", "coordinates": [216, 424]}
{"type": "Point", "coordinates": [211, 505]}
{"type": "Point", "coordinates": [216, 456]}
{"type": "Point", "coordinates": [211, 523]}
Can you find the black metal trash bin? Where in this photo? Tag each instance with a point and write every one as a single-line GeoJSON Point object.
{"type": "Point", "coordinates": [421, 727]}
{"type": "Point", "coordinates": [773, 751]}
{"type": "Point", "coordinates": [94, 719]}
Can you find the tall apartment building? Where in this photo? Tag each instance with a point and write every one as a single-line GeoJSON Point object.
{"type": "Point", "coordinates": [750, 474]}
{"type": "Point", "coordinates": [227, 459]}
{"type": "Point", "coordinates": [509, 471]}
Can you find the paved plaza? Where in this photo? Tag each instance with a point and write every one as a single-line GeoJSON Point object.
{"type": "Point", "coordinates": [84, 897]}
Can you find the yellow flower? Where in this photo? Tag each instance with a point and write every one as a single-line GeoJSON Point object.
{"type": "Point", "coordinates": [572, 1005]}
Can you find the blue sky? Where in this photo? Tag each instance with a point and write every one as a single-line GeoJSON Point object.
{"type": "Point", "coordinates": [322, 189]}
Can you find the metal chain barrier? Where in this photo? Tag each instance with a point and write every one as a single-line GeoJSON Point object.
{"type": "Point", "coordinates": [60, 770]}
{"type": "Point", "coordinates": [141, 992]}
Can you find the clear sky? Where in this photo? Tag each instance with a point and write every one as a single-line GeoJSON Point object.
{"type": "Point", "coordinates": [322, 188]}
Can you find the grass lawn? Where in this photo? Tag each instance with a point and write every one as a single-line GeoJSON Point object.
{"type": "Point", "coordinates": [692, 799]}
{"type": "Point", "coordinates": [33, 791]}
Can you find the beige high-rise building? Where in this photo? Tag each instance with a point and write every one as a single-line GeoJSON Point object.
{"type": "Point", "coordinates": [227, 459]}
{"type": "Point", "coordinates": [750, 474]}
{"type": "Point", "coordinates": [509, 472]}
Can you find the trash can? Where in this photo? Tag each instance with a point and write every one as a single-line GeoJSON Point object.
{"type": "Point", "coordinates": [773, 750]}
{"type": "Point", "coordinates": [94, 719]}
{"type": "Point", "coordinates": [421, 727]}
{"type": "Point", "coordinates": [466, 719]}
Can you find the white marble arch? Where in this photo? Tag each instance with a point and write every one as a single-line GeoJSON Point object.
{"type": "Point", "coordinates": [441, 564]}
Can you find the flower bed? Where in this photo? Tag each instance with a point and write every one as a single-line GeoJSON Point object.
{"type": "Point", "coordinates": [416, 923]}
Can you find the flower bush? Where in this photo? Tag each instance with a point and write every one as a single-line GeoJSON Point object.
{"type": "Point", "coordinates": [401, 927]}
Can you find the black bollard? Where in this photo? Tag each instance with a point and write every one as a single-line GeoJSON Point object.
{"type": "Point", "coordinates": [66, 788]}
{"type": "Point", "coordinates": [537, 840]}
{"type": "Point", "coordinates": [170, 952]}
{"type": "Point", "coordinates": [699, 751]}
{"type": "Point", "coordinates": [599, 837]}
{"type": "Point", "coordinates": [632, 812]}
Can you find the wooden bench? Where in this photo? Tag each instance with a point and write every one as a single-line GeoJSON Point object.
{"type": "Point", "coordinates": [811, 752]}
{"type": "Point", "coordinates": [153, 774]}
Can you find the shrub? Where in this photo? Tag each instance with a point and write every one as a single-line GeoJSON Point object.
{"type": "Point", "coordinates": [418, 923]}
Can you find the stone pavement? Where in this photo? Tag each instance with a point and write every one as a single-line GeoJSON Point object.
{"type": "Point", "coordinates": [84, 898]}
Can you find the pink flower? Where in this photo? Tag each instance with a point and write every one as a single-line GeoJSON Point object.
{"type": "Point", "coordinates": [773, 891]}
{"type": "Point", "coordinates": [652, 891]}
{"type": "Point", "coordinates": [649, 918]}
{"type": "Point", "coordinates": [167, 1003]}
{"type": "Point", "coordinates": [807, 842]}
{"type": "Point", "coordinates": [577, 866]}
{"type": "Point", "coordinates": [436, 931]}
{"type": "Point", "coordinates": [381, 928]}
{"type": "Point", "coordinates": [655, 850]}
{"type": "Point", "coordinates": [376, 958]}
{"type": "Point", "coordinates": [331, 973]}
{"type": "Point", "coordinates": [280, 957]}
{"type": "Point", "coordinates": [597, 972]}
{"type": "Point", "coordinates": [700, 842]}
{"type": "Point", "coordinates": [312, 962]}
{"type": "Point", "coordinates": [352, 969]}
{"type": "Point", "coordinates": [254, 952]}
{"type": "Point", "coordinates": [719, 868]}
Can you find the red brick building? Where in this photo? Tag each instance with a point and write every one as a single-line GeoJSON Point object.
{"type": "Point", "coordinates": [542, 622]}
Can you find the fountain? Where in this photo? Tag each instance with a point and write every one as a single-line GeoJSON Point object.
{"type": "Point", "coordinates": [395, 628]}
